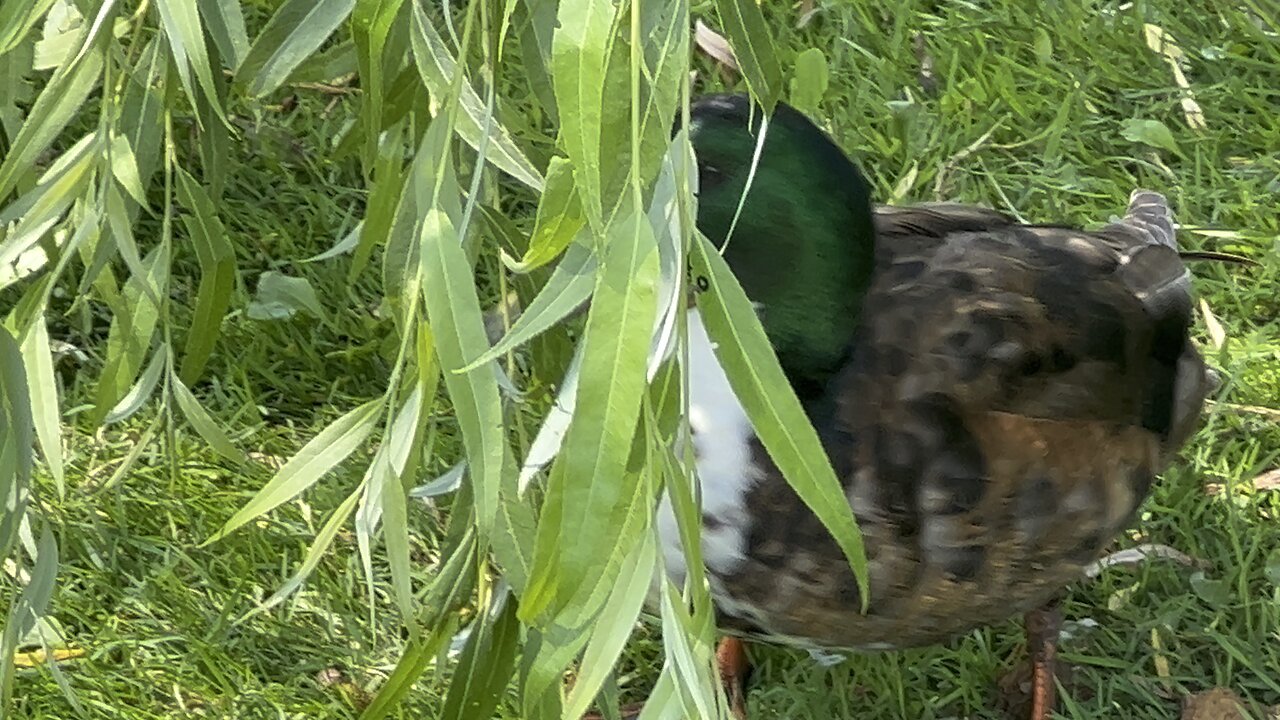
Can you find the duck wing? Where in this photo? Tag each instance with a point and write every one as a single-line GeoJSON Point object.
{"type": "Point", "coordinates": [1012, 393]}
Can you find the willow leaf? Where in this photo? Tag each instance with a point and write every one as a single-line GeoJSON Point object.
{"type": "Point", "coordinates": [770, 403]}
{"type": "Point", "coordinates": [43, 387]}
{"type": "Point", "coordinates": [329, 447]}
{"type": "Point", "coordinates": [599, 440]}
{"type": "Point", "coordinates": [579, 59]}
{"type": "Point", "coordinates": [752, 42]}
{"type": "Point", "coordinates": [293, 34]}
{"type": "Point", "coordinates": [453, 309]}
{"type": "Point", "coordinates": [56, 106]}
{"type": "Point", "coordinates": [185, 33]}
{"type": "Point", "coordinates": [204, 424]}
{"type": "Point", "coordinates": [217, 260]}
{"type": "Point", "coordinates": [438, 69]}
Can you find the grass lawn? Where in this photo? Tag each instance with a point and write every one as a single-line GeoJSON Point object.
{"type": "Point", "coordinates": [1053, 113]}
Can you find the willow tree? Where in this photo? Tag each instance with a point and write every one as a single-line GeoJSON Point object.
{"type": "Point", "coordinates": [550, 546]}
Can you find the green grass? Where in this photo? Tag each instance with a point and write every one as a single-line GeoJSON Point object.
{"type": "Point", "coordinates": [1029, 115]}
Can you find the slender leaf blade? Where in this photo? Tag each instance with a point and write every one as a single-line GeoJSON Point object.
{"type": "Point", "coordinates": [599, 440]}
{"type": "Point", "coordinates": [204, 424]}
{"type": "Point", "coordinates": [293, 34]}
{"type": "Point", "coordinates": [453, 309]}
{"type": "Point", "coordinates": [329, 447]}
{"type": "Point", "coordinates": [752, 42]}
{"type": "Point", "coordinates": [775, 412]}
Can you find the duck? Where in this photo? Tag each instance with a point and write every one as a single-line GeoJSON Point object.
{"type": "Point", "coordinates": [997, 399]}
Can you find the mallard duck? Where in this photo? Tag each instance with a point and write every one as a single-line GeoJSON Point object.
{"type": "Point", "coordinates": [997, 398]}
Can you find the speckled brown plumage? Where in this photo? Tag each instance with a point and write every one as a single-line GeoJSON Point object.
{"type": "Point", "coordinates": [1012, 393]}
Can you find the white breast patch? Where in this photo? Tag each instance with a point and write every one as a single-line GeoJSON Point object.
{"type": "Point", "coordinates": [721, 439]}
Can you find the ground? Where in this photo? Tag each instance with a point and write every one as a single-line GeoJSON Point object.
{"type": "Point", "coordinates": [1054, 112]}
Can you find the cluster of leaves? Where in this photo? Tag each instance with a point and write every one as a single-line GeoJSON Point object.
{"type": "Point", "coordinates": [553, 570]}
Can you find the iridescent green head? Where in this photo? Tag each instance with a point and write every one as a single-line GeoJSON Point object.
{"type": "Point", "coordinates": [804, 244]}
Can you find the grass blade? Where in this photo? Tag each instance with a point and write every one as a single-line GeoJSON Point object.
{"type": "Point", "coordinates": [329, 447]}
{"type": "Point", "coordinates": [776, 414]}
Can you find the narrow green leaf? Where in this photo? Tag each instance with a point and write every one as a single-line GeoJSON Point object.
{"type": "Point", "coordinates": [17, 19]}
{"type": "Point", "coordinates": [438, 69]}
{"type": "Point", "coordinates": [315, 553]}
{"type": "Point", "coordinates": [371, 22]}
{"type": "Point", "coordinates": [217, 259]}
{"type": "Point", "coordinates": [388, 469]}
{"type": "Point", "coordinates": [688, 653]}
{"type": "Point", "coordinates": [663, 703]}
{"type": "Point", "coordinates": [121, 227]}
{"type": "Point", "coordinates": [293, 34]}
{"type": "Point", "coordinates": [617, 619]}
{"type": "Point", "coordinates": [31, 605]}
{"type": "Point", "coordinates": [16, 88]}
{"type": "Point", "coordinates": [390, 175]}
{"type": "Point", "coordinates": [579, 59]}
{"type": "Point", "coordinates": [486, 664]}
{"type": "Point", "coordinates": [136, 449]}
{"type": "Point", "coordinates": [559, 218]}
{"type": "Point", "coordinates": [17, 433]}
{"type": "Point", "coordinates": [204, 424]}
{"type": "Point", "coordinates": [452, 586]}
{"type": "Point", "coordinates": [43, 387]}
{"type": "Point", "coordinates": [453, 309]}
{"type": "Point", "coordinates": [514, 536]}
{"type": "Point", "coordinates": [124, 166]}
{"type": "Point", "coordinates": [776, 414]}
{"type": "Point", "coordinates": [224, 22]}
{"type": "Point", "coordinates": [328, 448]}
{"type": "Point", "coordinates": [599, 440]}
{"type": "Point", "coordinates": [537, 20]}
{"type": "Point", "coordinates": [141, 392]}
{"type": "Point", "coordinates": [57, 104]}
{"type": "Point", "coordinates": [568, 287]}
{"type": "Point", "coordinates": [185, 33]}
{"type": "Point", "coordinates": [344, 245]}
{"type": "Point", "coordinates": [132, 328]}
{"type": "Point", "coordinates": [748, 33]}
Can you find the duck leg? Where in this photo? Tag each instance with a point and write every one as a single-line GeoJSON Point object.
{"type": "Point", "coordinates": [1042, 645]}
{"type": "Point", "coordinates": [731, 656]}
